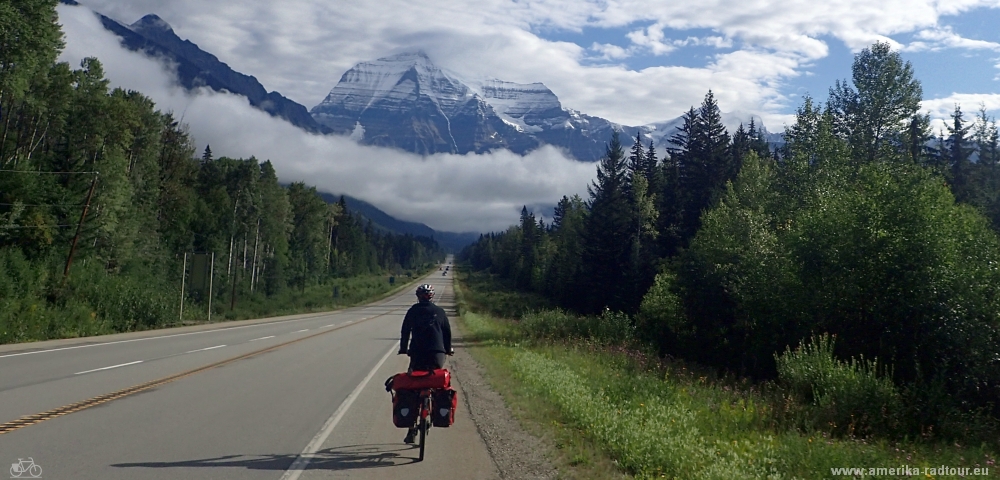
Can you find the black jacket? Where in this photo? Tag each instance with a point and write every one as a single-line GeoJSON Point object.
{"type": "Point", "coordinates": [429, 327]}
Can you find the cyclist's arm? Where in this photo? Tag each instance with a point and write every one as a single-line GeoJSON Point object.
{"type": "Point", "coordinates": [404, 334]}
{"type": "Point", "coordinates": [446, 332]}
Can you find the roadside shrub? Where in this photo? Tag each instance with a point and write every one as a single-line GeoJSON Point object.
{"type": "Point", "coordinates": [847, 397]}
{"type": "Point", "coordinates": [608, 328]}
{"type": "Point", "coordinates": [661, 321]}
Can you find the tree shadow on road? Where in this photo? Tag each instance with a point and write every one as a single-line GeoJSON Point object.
{"type": "Point", "coordinates": [340, 458]}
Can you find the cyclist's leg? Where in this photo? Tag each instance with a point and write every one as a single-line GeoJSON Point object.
{"type": "Point", "coordinates": [424, 361]}
{"type": "Point", "coordinates": [439, 359]}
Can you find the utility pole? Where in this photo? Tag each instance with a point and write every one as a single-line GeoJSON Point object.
{"type": "Point", "coordinates": [211, 277]}
{"type": "Point", "coordinates": [183, 276]}
{"type": "Point", "coordinates": [79, 227]}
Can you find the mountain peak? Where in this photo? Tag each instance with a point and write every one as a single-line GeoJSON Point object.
{"type": "Point", "coordinates": [151, 22]}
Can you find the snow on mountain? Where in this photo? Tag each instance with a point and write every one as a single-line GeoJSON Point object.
{"type": "Point", "coordinates": [408, 102]}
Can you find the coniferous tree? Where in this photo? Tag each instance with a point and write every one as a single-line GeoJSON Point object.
{"type": "Point", "coordinates": [958, 153]}
{"type": "Point", "coordinates": [607, 232]}
{"type": "Point", "coordinates": [758, 143]}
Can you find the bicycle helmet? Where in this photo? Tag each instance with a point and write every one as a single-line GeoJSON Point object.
{"type": "Point", "coordinates": [425, 291]}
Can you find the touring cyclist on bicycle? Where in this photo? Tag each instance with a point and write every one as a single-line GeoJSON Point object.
{"type": "Point", "coordinates": [425, 337]}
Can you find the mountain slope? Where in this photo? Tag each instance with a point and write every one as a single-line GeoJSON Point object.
{"type": "Point", "coordinates": [197, 68]}
{"type": "Point", "coordinates": [450, 241]}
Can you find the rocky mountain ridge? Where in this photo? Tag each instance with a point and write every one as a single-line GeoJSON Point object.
{"type": "Point", "coordinates": [197, 68]}
{"type": "Point", "coordinates": [405, 101]}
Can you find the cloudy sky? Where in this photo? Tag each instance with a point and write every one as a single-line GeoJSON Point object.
{"type": "Point", "coordinates": [632, 62]}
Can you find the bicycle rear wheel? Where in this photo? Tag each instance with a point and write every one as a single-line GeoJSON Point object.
{"type": "Point", "coordinates": [423, 437]}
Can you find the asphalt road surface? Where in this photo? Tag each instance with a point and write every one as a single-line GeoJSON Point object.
{"type": "Point", "coordinates": [284, 398]}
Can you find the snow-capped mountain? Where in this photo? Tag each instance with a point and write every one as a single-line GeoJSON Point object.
{"type": "Point", "coordinates": [406, 101]}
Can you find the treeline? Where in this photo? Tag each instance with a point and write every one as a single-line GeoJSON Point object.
{"type": "Point", "coordinates": [103, 174]}
{"type": "Point", "coordinates": [864, 225]}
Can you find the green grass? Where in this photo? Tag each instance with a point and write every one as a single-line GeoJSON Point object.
{"type": "Point", "coordinates": [652, 419]}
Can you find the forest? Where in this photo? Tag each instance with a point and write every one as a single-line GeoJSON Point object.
{"type": "Point", "coordinates": [105, 200]}
{"type": "Point", "coordinates": [858, 262]}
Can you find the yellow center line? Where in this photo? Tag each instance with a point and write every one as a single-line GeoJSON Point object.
{"type": "Point", "coordinates": [29, 420]}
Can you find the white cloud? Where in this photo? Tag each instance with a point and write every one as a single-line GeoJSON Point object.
{"type": "Point", "coordinates": [710, 41]}
{"type": "Point", "coordinates": [448, 192]}
{"type": "Point", "coordinates": [935, 39]}
{"type": "Point", "coordinates": [652, 38]}
{"type": "Point", "coordinates": [609, 51]}
{"type": "Point", "coordinates": [941, 109]}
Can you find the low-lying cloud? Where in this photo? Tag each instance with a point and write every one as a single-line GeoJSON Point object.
{"type": "Point", "coordinates": [447, 192]}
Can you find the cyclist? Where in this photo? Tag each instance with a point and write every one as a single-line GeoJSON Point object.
{"type": "Point", "coordinates": [425, 337]}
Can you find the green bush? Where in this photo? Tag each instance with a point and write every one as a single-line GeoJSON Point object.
{"type": "Point", "coordinates": [661, 320]}
{"type": "Point", "coordinates": [847, 397]}
{"type": "Point", "coordinates": [608, 328]}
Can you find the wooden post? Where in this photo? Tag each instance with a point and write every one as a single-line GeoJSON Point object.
{"type": "Point", "coordinates": [79, 227]}
{"type": "Point", "coordinates": [211, 276]}
{"type": "Point", "coordinates": [183, 276]}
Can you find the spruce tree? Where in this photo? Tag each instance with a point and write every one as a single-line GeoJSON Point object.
{"type": "Point", "coordinates": [959, 152]}
{"type": "Point", "coordinates": [607, 232]}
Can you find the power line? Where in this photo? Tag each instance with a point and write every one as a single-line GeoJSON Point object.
{"type": "Point", "coordinates": [9, 227]}
{"type": "Point", "coordinates": [54, 173]}
{"type": "Point", "coordinates": [42, 204]}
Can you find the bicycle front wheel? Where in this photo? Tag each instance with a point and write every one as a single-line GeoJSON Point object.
{"type": "Point", "coordinates": [35, 471]}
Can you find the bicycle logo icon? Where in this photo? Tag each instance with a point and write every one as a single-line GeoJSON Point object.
{"type": "Point", "coordinates": [22, 467]}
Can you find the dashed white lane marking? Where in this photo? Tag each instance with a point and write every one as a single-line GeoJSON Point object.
{"type": "Point", "coordinates": [328, 326]}
{"type": "Point", "coordinates": [303, 459]}
{"type": "Point", "coordinates": [203, 349]}
{"type": "Point", "coordinates": [262, 338]}
{"type": "Point", "coordinates": [300, 331]}
{"type": "Point", "coordinates": [108, 368]}
{"type": "Point", "coordinates": [225, 329]}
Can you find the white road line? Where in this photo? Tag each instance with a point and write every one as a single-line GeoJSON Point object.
{"type": "Point", "coordinates": [303, 459]}
{"type": "Point", "coordinates": [327, 326]}
{"type": "Point", "coordinates": [300, 331]}
{"type": "Point", "coordinates": [203, 349]}
{"type": "Point", "coordinates": [109, 368]}
{"type": "Point", "coordinates": [226, 329]}
{"type": "Point", "coordinates": [262, 338]}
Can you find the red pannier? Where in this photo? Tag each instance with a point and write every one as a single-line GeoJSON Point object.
{"type": "Point", "coordinates": [419, 380]}
{"type": "Point", "coordinates": [405, 408]}
{"type": "Point", "coordinates": [443, 405]}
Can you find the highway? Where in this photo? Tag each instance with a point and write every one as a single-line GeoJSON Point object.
{"type": "Point", "coordinates": [284, 398]}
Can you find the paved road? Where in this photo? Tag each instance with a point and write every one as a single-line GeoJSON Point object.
{"type": "Point", "coordinates": [313, 408]}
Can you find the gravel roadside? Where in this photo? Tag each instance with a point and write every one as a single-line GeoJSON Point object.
{"type": "Point", "coordinates": [517, 454]}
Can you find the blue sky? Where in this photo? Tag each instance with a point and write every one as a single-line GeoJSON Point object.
{"type": "Point", "coordinates": [944, 69]}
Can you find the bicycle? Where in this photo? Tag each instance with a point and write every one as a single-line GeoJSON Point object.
{"type": "Point", "coordinates": [22, 467]}
{"type": "Point", "coordinates": [416, 383]}
{"type": "Point", "coordinates": [423, 426]}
